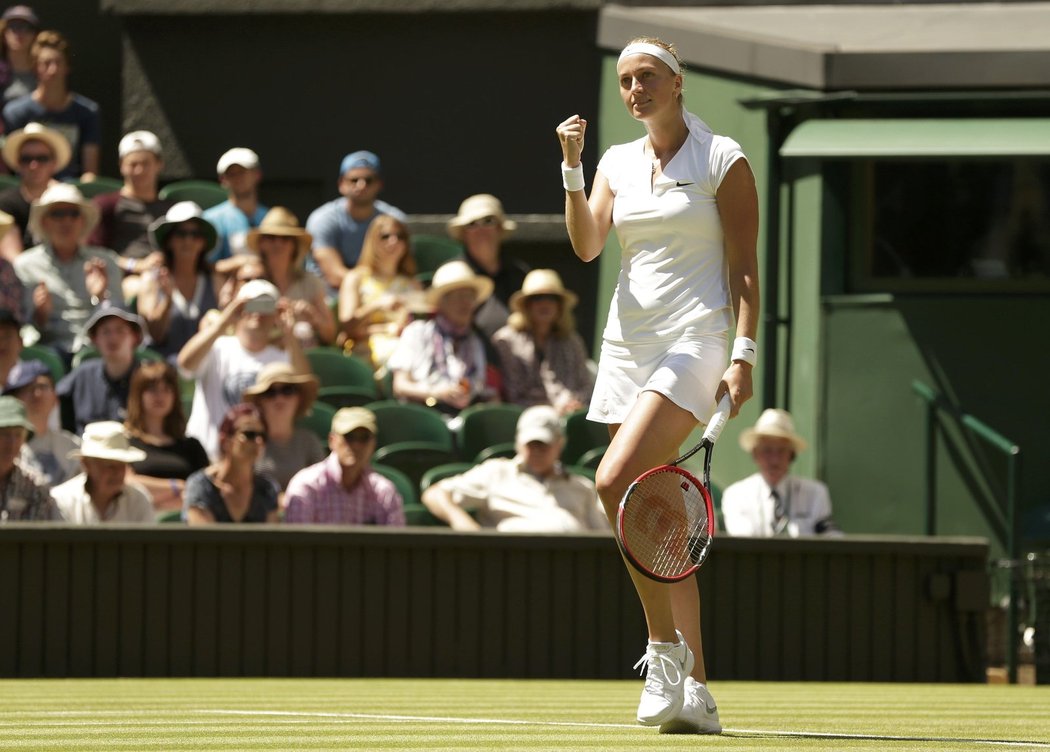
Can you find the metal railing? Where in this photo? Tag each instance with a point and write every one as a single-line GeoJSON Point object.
{"type": "Point", "coordinates": [1011, 541]}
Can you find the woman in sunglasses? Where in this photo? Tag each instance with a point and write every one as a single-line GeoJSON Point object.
{"type": "Point", "coordinates": [283, 396]}
{"type": "Point", "coordinates": [173, 297]}
{"type": "Point", "coordinates": [230, 490]}
{"type": "Point", "coordinates": [375, 299]}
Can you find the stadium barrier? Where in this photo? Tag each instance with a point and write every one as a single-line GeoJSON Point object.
{"type": "Point", "coordinates": [296, 601]}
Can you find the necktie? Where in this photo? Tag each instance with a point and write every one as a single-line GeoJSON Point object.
{"type": "Point", "coordinates": [780, 519]}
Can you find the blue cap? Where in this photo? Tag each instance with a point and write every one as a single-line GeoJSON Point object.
{"type": "Point", "coordinates": [359, 159]}
{"type": "Point", "coordinates": [24, 373]}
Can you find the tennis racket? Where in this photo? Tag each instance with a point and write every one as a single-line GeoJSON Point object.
{"type": "Point", "coordinates": [666, 519]}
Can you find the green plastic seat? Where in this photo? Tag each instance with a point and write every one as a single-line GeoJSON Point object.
{"type": "Point", "coordinates": [505, 450]}
{"type": "Point", "coordinates": [9, 181]}
{"type": "Point", "coordinates": [400, 422]}
{"type": "Point", "coordinates": [319, 420]}
{"type": "Point", "coordinates": [414, 458]}
{"type": "Point", "coordinates": [485, 425]}
{"type": "Point", "coordinates": [582, 435]}
{"type": "Point", "coordinates": [98, 186]}
{"type": "Point", "coordinates": [342, 376]}
{"type": "Point", "coordinates": [47, 356]}
{"type": "Point", "coordinates": [430, 252]}
{"type": "Point", "coordinates": [204, 193]}
{"type": "Point", "coordinates": [402, 482]}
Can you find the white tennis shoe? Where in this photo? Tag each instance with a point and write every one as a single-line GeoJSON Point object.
{"type": "Point", "coordinates": [667, 665]}
{"type": "Point", "coordinates": [699, 713]}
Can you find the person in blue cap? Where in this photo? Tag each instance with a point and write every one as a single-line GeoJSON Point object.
{"type": "Point", "coordinates": [338, 226]}
{"type": "Point", "coordinates": [33, 384]}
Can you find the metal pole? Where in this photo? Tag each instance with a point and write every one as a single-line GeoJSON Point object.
{"type": "Point", "coordinates": [1013, 462]}
{"type": "Point", "coordinates": [931, 468]}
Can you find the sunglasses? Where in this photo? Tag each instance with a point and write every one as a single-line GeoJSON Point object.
{"type": "Point", "coordinates": [358, 437]}
{"type": "Point", "coordinates": [280, 390]}
{"type": "Point", "coordinates": [187, 234]}
{"type": "Point", "coordinates": [388, 235]}
{"type": "Point", "coordinates": [21, 27]}
{"type": "Point", "coordinates": [28, 159]}
{"type": "Point", "coordinates": [549, 297]}
{"type": "Point", "coordinates": [367, 181]}
{"type": "Point", "coordinates": [484, 222]}
{"type": "Point", "coordinates": [64, 214]}
{"type": "Point", "coordinates": [253, 435]}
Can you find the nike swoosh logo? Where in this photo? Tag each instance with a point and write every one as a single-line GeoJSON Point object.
{"type": "Point", "coordinates": [680, 184]}
{"type": "Point", "coordinates": [710, 708]}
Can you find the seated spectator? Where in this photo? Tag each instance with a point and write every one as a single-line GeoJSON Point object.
{"type": "Point", "coordinates": [530, 492]}
{"type": "Point", "coordinates": [239, 174]}
{"type": "Point", "coordinates": [283, 246]}
{"type": "Point", "coordinates": [375, 297]}
{"type": "Point", "coordinates": [343, 489]}
{"type": "Point", "coordinates": [174, 297]}
{"type": "Point", "coordinates": [52, 103]}
{"type": "Point", "coordinates": [157, 426]}
{"type": "Point", "coordinates": [102, 493]}
{"type": "Point", "coordinates": [10, 340]}
{"type": "Point", "coordinates": [18, 29]}
{"type": "Point", "coordinates": [25, 497]}
{"type": "Point", "coordinates": [338, 227]}
{"type": "Point", "coordinates": [230, 490]}
{"type": "Point", "coordinates": [33, 384]}
{"type": "Point", "coordinates": [441, 362]}
{"type": "Point", "coordinates": [36, 153]}
{"type": "Point", "coordinates": [481, 226]}
{"type": "Point", "coordinates": [283, 396]}
{"type": "Point", "coordinates": [225, 365]}
{"type": "Point", "coordinates": [242, 269]}
{"type": "Point", "coordinates": [542, 357]}
{"type": "Point", "coordinates": [772, 501]}
{"type": "Point", "coordinates": [64, 279]}
{"type": "Point", "coordinates": [98, 388]}
{"type": "Point", "coordinates": [125, 216]}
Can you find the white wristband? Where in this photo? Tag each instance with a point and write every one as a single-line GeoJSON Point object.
{"type": "Point", "coordinates": [745, 349]}
{"type": "Point", "coordinates": [572, 177]}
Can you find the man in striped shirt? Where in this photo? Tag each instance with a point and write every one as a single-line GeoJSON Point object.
{"type": "Point", "coordinates": [343, 489]}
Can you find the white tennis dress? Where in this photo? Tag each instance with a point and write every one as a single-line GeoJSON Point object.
{"type": "Point", "coordinates": [671, 312]}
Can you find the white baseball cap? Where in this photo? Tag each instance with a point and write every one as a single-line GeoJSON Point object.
{"type": "Point", "coordinates": [539, 423]}
{"type": "Point", "coordinates": [238, 155]}
{"type": "Point", "coordinates": [139, 141]}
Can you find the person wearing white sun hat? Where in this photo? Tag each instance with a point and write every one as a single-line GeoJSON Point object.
{"type": "Point", "coordinates": [772, 501]}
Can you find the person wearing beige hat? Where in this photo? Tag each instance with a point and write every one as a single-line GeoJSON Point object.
{"type": "Point", "coordinates": [102, 492]}
{"type": "Point", "coordinates": [283, 247]}
{"type": "Point", "coordinates": [65, 279]}
{"type": "Point", "coordinates": [481, 226]}
{"type": "Point", "coordinates": [343, 489]}
{"type": "Point", "coordinates": [441, 362]}
{"type": "Point", "coordinates": [35, 153]}
{"type": "Point", "coordinates": [24, 493]}
{"type": "Point", "coordinates": [284, 396]}
{"type": "Point", "coordinates": [772, 501]}
{"type": "Point", "coordinates": [542, 356]}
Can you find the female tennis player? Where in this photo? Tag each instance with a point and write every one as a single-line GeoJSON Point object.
{"type": "Point", "coordinates": [685, 208]}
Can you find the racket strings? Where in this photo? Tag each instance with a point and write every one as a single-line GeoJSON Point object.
{"type": "Point", "coordinates": [667, 519]}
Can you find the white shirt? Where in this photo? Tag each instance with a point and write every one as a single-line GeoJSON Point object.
{"type": "Point", "coordinates": [135, 504]}
{"type": "Point", "coordinates": [674, 276]}
{"type": "Point", "coordinates": [748, 506]}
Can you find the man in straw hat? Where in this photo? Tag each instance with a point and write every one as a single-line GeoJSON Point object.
{"type": "Point", "coordinates": [441, 362]}
{"type": "Point", "coordinates": [338, 227]}
{"type": "Point", "coordinates": [65, 279]}
{"type": "Point", "coordinates": [35, 153]}
{"type": "Point", "coordinates": [772, 501]}
{"type": "Point", "coordinates": [25, 493]}
{"type": "Point", "coordinates": [481, 226]}
{"type": "Point", "coordinates": [343, 489]}
{"type": "Point", "coordinates": [101, 493]}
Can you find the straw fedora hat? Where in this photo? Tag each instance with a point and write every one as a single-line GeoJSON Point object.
{"type": "Point", "coordinates": [183, 211]}
{"type": "Point", "coordinates": [281, 221]}
{"type": "Point", "coordinates": [542, 282]}
{"type": "Point", "coordinates": [478, 207]}
{"type": "Point", "coordinates": [56, 142]}
{"type": "Point", "coordinates": [283, 373]}
{"type": "Point", "coordinates": [107, 440]}
{"type": "Point", "coordinates": [774, 423]}
{"type": "Point", "coordinates": [62, 193]}
{"type": "Point", "coordinates": [453, 276]}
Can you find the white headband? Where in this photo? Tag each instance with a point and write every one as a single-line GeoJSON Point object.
{"type": "Point", "coordinates": [644, 48]}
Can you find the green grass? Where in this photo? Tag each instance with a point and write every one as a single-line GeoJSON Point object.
{"type": "Point", "coordinates": [372, 714]}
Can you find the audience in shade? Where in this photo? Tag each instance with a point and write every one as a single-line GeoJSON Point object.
{"type": "Point", "coordinates": [102, 492]}
{"type": "Point", "coordinates": [36, 153]}
{"type": "Point", "coordinates": [25, 494]}
{"type": "Point", "coordinates": [224, 365]}
{"type": "Point", "coordinates": [240, 174]}
{"type": "Point", "coordinates": [33, 384]}
{"type": "Point", "coordinates": [98, 388]}
{"type": "Point", "coordinates": [64, 279]}
{"type": "Point", "coordinates": [174, 297]}
{"type": "Point", "coordinates": [156, 425]}
{"type": "Point", "coordinates": [530, 492]}
{"type": "Point", "coordinates": [343, 489]}
{"type": "Point", "coordinates": [481, 226]}
{"type": "Point", "coordinates": [230, 490]}
{"type": "Point", "coordinates": [52, 103]}
{"type": "Point", "coordinates": [542, 357]}
{"type": "Point", "coordinates": [378, 294]}
{"type": "Point", "coordinates": [338, 227]}
{"type": "Point", "coordinates": [283, 396]}
{"type": "Point", "coordinates": [19, 26]}
{"type": "Point", "coordinates": [10, 341]}
{"type": "Point", "coordinates": [441, 362]}
{"type": "Point", "coordinates": [283, 247]}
